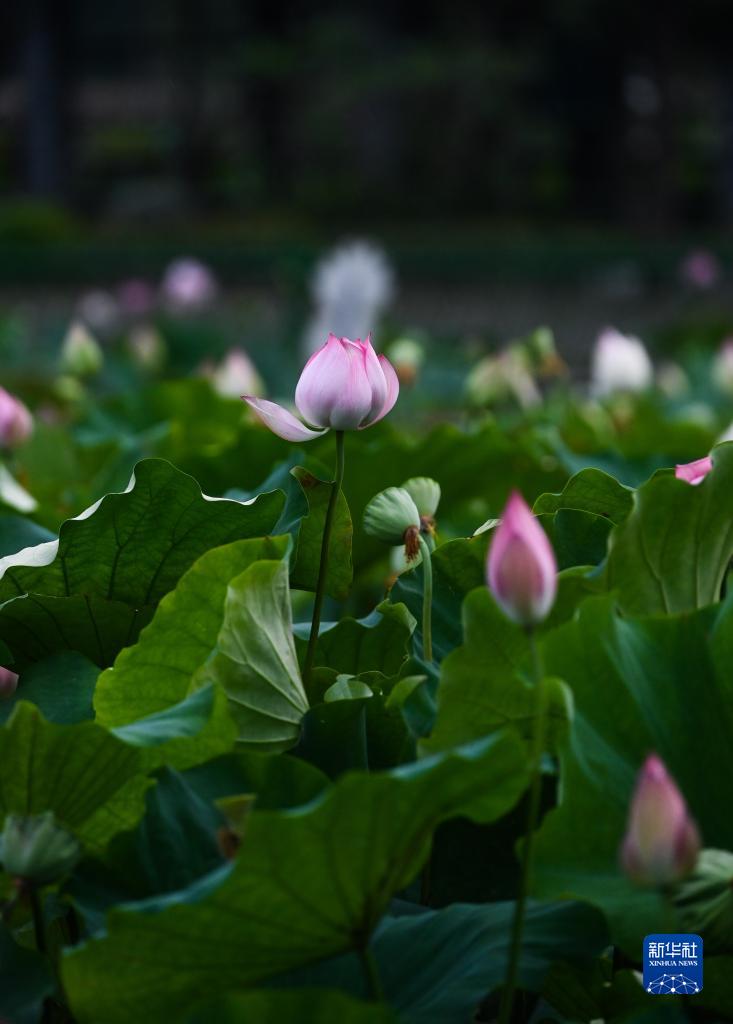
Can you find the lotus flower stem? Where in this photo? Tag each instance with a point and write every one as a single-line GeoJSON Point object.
{"type": "Point", "coordinates": [427, 600]}
{"type": "Point", "coordinates": [38, 924]}
{"type": "Point", "coordinates": [533, 809]}
{"type": "Point", "coordinates": [323, 564]}
{"type": "Point", "coordinates": [371, 973]}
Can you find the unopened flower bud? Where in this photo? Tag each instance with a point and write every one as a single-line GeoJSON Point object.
{"type": "Point", "coordinates": [16, 422]}
{"type": "Point", "coordinates": [392, 516]}
{"type": "Point", "coordinates": [237, 375]}
{"type": "Point", "coordinates": [36, 849]}
{"type": "Point", "coordinates": [521, 567]}
{"type": "Point", "coordinates": [662, 841]}
{"type": "Point", "coordinates": [80, 352]}
{"type": "Point", "coordinates": [8, 683]}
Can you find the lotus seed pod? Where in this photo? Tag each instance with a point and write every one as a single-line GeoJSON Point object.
{"type": "Point", "coordinates": [390, 514]}
{"type": "Point", "coordinates": [425, 493]}
{"type": "Point", "coordinates": [36, 849]}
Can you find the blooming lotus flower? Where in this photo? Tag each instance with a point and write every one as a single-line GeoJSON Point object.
{"type": "Point", "coordinates": [345, 385]}
{"type": "Point", "coordinates": [694, 472]}
{"type": "Point", "coordinates": [620, 363]}
{"type": "Point", "coordinates": [521, 567]}
{"type": "Point", "coordinates": [16, 422]}
{"type": "Point", "coordinates": [662, 841]}
{"type": "Point", "coordinates": [8, 683]}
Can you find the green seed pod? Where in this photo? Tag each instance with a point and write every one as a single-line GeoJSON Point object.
{"type": "Point", "coordinates": [390, 514]}
{"type": "Point", "coordinates": [425, 493]}
{"type": "Point", "coordinates": [37, 849]}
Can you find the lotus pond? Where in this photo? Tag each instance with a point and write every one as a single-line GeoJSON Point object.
{"type": "Point", "coordinates": [210, 811]}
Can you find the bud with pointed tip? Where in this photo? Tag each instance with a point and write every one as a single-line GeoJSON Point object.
{"type": "Point", "coordinates": [521, 566]}
{"type": "Point", "coordinates": [8, 683]}
{"type": "Point", "coordinates": [694, 472]}
{"type": "Point", "coordinates": [36, 849]}
{"type": "Point", "coordinates": [662, 841]}
{"type": "Point", "coordinates": [16, 422]}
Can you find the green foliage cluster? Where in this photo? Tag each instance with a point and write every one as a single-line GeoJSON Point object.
{"type": "Point", "coordinates": [252, 849]}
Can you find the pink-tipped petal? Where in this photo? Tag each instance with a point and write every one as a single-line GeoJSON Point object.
{"type": "Point", "coordinates": [521, 567]}
{"type": "Point", "coordinates": [662, 842]}
{"type": "Point", "coordinates": [333, 390]}
{"type": "Point", "coordinates": [694, 472]}
{"type": "Point", "coordinates": [377, 381]}
{"type": "Point", "coordinates": [393, 390]}
{"type": "Point", "coordinates": [280, 421]}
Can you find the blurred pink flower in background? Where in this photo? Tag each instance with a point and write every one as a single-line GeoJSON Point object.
{"type": "Point", "coordinates": [345, 385]}
{"type": "Point", "coordinates": [521, 566]}
{"type": "Point", "coordinates": [662, 842]}
{"type": "Point", "coordinates": [700, 269]}
{"type": "Point", "coordinates": [136, 298]}
{"type": "Point", "coordinates": [16, 422]}
{"type": "Point", "coordinates": [188, 286]}
{"type": "Point", "coordinates": [694, 472]}
{"type": "Point", "coordinates": [8, 683]}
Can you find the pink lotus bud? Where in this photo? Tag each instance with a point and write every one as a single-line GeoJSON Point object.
{"type": "Point", "coordinates": [694, 472]}
{"type": "Point", "coordinates": [345, 385]}
{"type": "Point", "coordinates": [8, 683]}
{"type": "Point", "coordinates": [662, 841]}
{"type": "Point", "coordinates": [522, 571]}
{"type": "Point", "coordinates": [16, 422]}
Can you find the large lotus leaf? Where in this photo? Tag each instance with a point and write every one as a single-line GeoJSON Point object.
{"type": "Point", "coordinates": [307, 884]}
{"type": "Point", "coordinates": [672, 551]}
{"type": "Point", "coordinates": [439, 965]}
{"type": "Point", "coordinates": [61, 686]}
{"type": "Point", "coordinates": [638, 685]}
{"type": "Point", "coordinates": [25, 981]}
{"type": "Point", "coordinates": [91, 780]}
{"type": "Point", "coordinates": [592, 491]}
{"type": "Point", "coordinates": [169, 660]}
{"type": "Point", "coordinates": [316, 1006]}
{"type": "Point", "coordinates": [255, 660]}
{"type": "Point", "coordinates": [112, 564]}
{"type": "Point", "coordinates": [377, 643]}
{"type": "Point", "coordinates": [481, 689]}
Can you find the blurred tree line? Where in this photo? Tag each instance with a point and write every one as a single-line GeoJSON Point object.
{"type": "Point", "coordinates": [363, 111]}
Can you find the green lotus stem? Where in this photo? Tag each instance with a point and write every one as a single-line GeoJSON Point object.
{"type": "Point", "coordinates": [535, 794]}
{"type": "Point", "coordinates": [371, 973]}
{"type": "Point", "coordinates": [427, 600]}
{"type": "Point", "coordinates": [323, 564]}
{"type": "Point", "coordinates": [38, 924]}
